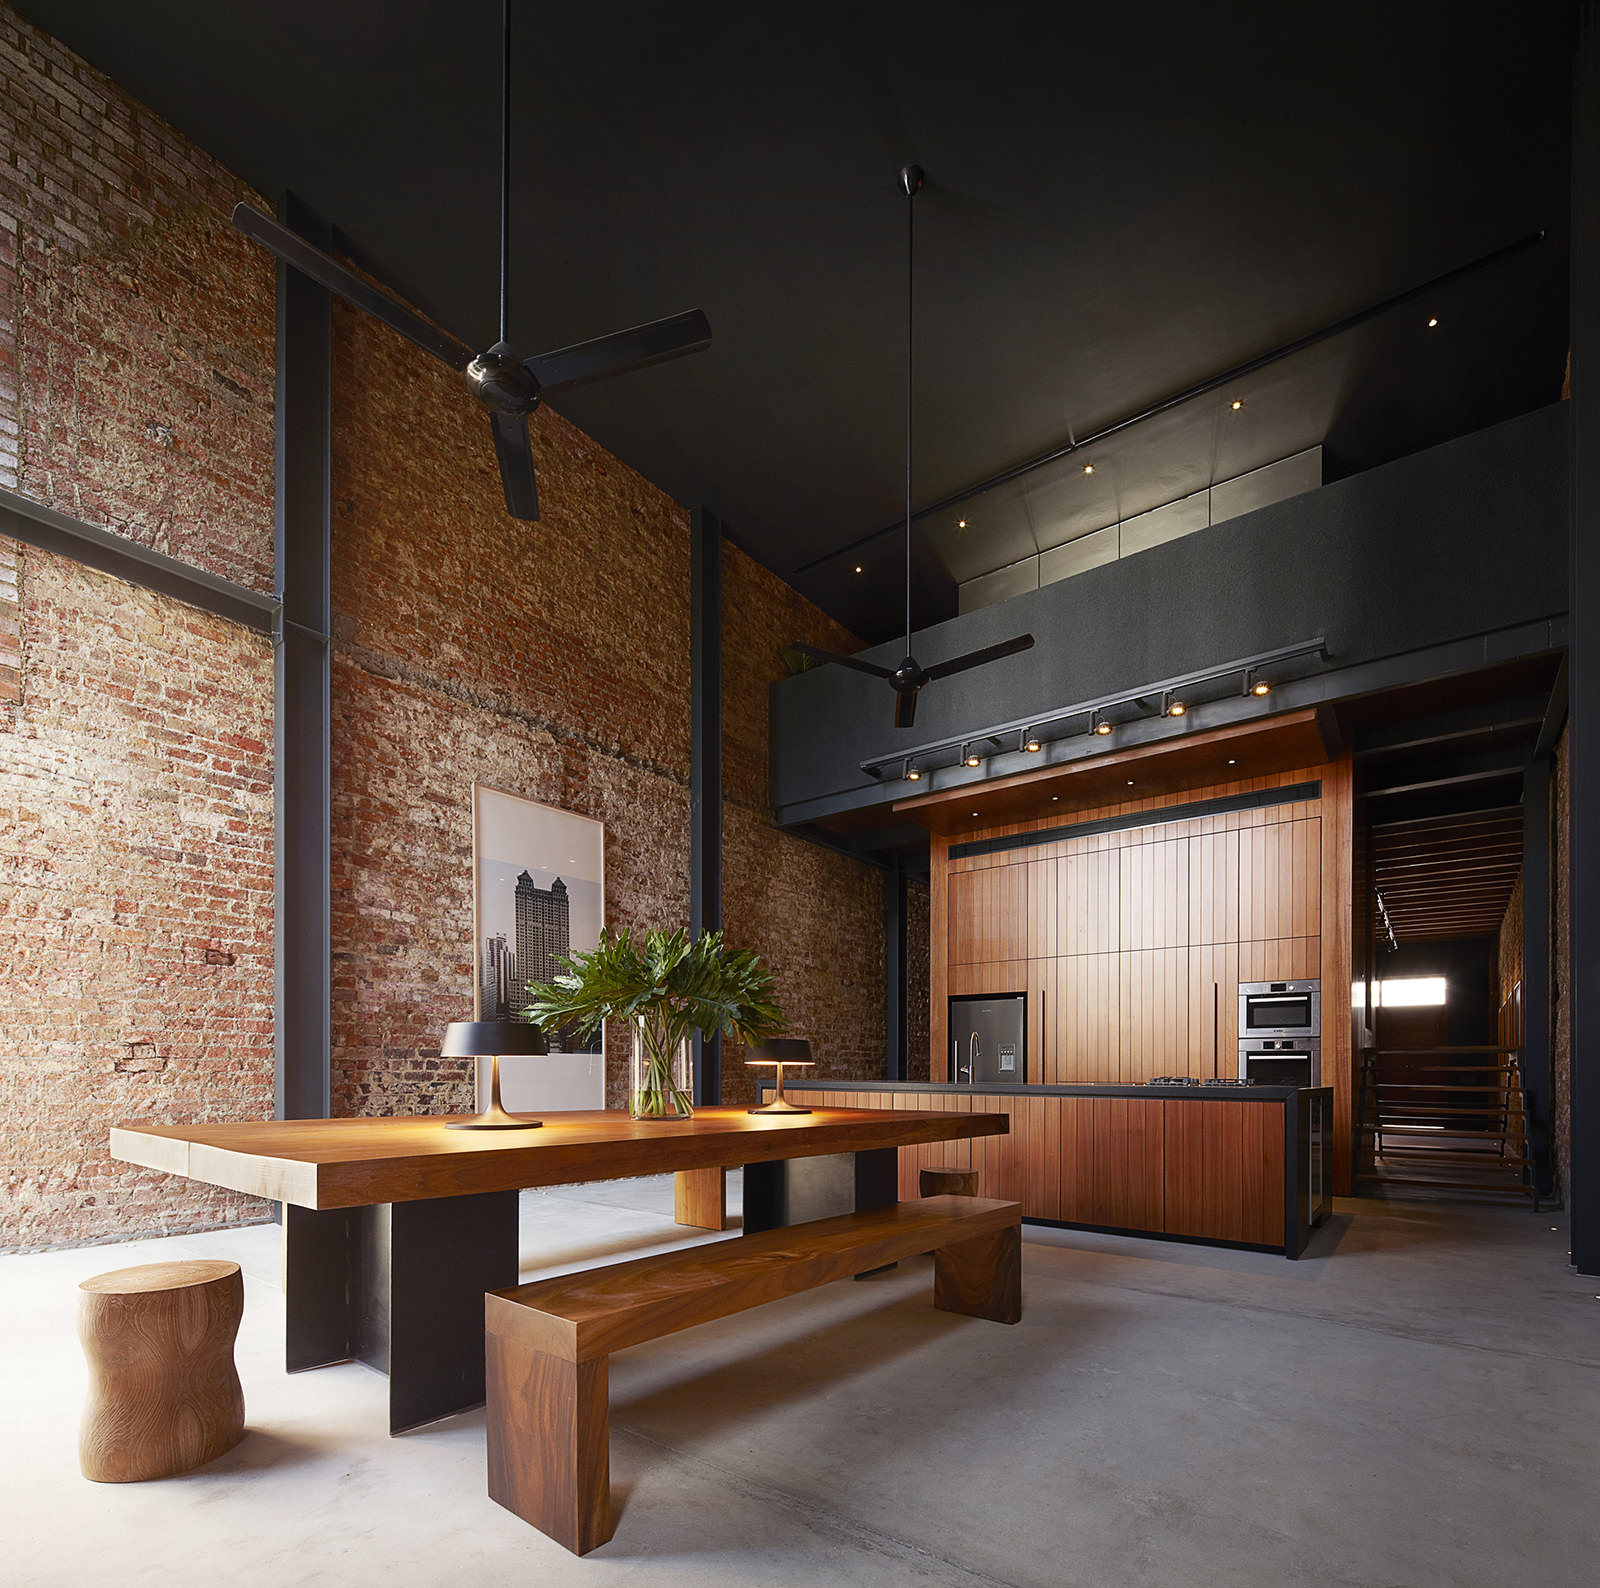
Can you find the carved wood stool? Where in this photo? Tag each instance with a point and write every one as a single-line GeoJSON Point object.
{"type": "Point", "coordinates": [164, 1395]}
{"type": "Point", "coordinates": [948, 1182]}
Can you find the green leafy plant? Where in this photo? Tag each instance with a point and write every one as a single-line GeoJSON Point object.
{"type": "Point", "coordinates": [668, 986]}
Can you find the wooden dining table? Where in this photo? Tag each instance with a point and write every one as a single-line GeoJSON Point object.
{"type": "Point", "coordinates": [394, 1228]}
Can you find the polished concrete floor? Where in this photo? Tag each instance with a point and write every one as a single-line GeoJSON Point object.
{"type": "Point", "coordinates": [1413, 1405]}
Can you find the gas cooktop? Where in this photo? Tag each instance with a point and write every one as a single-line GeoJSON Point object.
{"type": "Point", "coordinates": [1189, 1080]}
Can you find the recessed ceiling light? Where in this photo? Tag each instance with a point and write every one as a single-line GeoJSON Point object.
{"type": "Point", "coordinates": [1054, 798]}
{"type": "Point", "coordinates": [1433, 321]}
{"type": "Point", "coordinates": [1232, 762]}
{"type": "Point", "coordinates": [961, 523]}
{"type": "Point", "coordinates": [1237, 405]}
{"type": "Point", "coordinates": [858, 567]}
{"type": "Point", "coordinates": [1130, 782]}
{"type": "Point", "coordinates": [974, 813]}
{"type": "Point", "coordinates": [1088, 468]}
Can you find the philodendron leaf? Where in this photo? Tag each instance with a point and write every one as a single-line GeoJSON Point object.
{"type": "Point", "coordinates": [688, 984]}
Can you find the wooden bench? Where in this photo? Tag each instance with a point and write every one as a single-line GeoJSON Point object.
{"type": "Point", "coordinates": [548, 1342]}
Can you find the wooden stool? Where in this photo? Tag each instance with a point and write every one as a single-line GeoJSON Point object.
{"type": "Point", "coordinates": [948, 1183]}
{"type": "Point", "coordinates": [164, 1395]}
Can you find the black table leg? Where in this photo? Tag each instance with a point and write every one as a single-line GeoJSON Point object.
{"type": "Point", "coordinates": [400, 1287]}
{"type": "Point", "coordinates": [797, 1190]}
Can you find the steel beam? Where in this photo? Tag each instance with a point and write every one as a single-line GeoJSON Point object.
{"type": "Point", "coordinates": [1584, 658]}
{"type": "Point", "coordinates": [1536, 933]}
{"type": "Point", "coordinates": [302, 762]}
{"type": "Point", "coordinates": [34, 524]}
{"type": "Point", "coordinates": [705, 764]}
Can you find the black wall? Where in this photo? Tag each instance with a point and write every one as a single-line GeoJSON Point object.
{"type": "Point", "coordinates": [1462, 540]}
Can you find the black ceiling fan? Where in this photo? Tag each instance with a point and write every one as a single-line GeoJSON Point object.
{"type": "Point", "coordinates": [910, 678]}
{"type": "Point", "coordinates": [508, 386]}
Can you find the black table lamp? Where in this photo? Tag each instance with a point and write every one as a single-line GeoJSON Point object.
{"type": "Point", "coordinates": [779, 1051]}
{"type": "Point", "coordinates": [492, 1040]}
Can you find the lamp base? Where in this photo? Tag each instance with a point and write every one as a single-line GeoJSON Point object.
{"type": "Point", "coordinates": [494, 1124]}
{"type": "Point", "coordinates": [779, 1105]}
{"type": "Point", "coordinates": [494, 1118]}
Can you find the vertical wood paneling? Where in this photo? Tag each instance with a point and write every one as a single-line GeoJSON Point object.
{"type": "Point", "coordinates": [1130, 945]}
{"type": "Point", "coordinates": [1145, 1156]}
{"type": "Point", "coordinates": [1110, 1129]}
{"type": "Point", "coordinates": [1182, 1213]}
{"type": "Point", "coordinates": [1222, 1169]}
{"type": "Point", "coordinates": [1090, 905]}
{"type": "Point", "coordinates": [1338, 885]}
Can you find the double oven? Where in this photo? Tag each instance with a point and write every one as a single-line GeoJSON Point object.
{"type": "Point", "coordinates": [1280, 1032]}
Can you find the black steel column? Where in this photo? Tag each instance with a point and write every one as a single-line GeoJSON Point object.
{"type": "Point", "coordinates": [894, 974]}
{"type": "Point", "coordinates": [1584, 606]}
{"type": "Point", "coordinates": [1536, 925]}
{"type": "Point", "coordinates": [705, 764]}
{"type": "Point", "coordinates": [302, 938]}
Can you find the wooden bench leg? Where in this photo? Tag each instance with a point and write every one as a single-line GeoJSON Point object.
{"type": "Point", "coordinates": [700, 1198]}
{"type": "Point", "coordinates": [981, 1277]}
{"type": "Point", "coordinates": [549, 1442]}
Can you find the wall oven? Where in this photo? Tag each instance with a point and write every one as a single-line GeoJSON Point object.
{"type": "Point", "coordinates": [1281, 1061]}
{"type": "Point", "coordinates": [1279, 1009]}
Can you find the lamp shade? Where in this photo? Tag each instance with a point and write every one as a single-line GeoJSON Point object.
{"type": "Point", "coordinates": [790, 1050]}
{"type": "Point", "coordinates": [473, 1039]}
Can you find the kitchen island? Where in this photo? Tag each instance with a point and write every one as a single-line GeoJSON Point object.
{"type": "Point", "coordinates": [1220, 1165]}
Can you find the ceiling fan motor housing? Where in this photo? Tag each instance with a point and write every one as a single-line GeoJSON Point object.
{"type": "Point", "coordinates": [501, 381]}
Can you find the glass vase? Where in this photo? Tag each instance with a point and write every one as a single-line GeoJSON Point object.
{"type": "Point", "coordinates": [659, 1083]}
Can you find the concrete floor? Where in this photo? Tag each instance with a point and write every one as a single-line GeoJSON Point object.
{"type": "Point", "coordinates": [1413, 1405]}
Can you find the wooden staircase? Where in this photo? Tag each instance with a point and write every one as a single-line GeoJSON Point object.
{"type": "Point", "coordinates": [1449, 1119]}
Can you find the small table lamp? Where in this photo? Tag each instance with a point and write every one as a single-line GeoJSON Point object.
{"type": "Point", "coordinates": [779, 1051]}
{"type": "Point", "coordinates": [491, 1040]}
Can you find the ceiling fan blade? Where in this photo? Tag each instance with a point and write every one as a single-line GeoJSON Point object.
{"type": "Point", "coordinates": [905, 707]}
{"type": "Point", "coordinates": [514, 451]}
{"type": "Point", "coordinates": [621, 353]}
{"type": "Point", "coordinates": [311, 261]}
{"type": "Point", "coordinates": [844, 661]}
{"type": "Point", "coordinates": [990, 653]}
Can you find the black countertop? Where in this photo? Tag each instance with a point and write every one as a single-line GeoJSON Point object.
{"type": "Point", "coordinates": [1196, 1090]}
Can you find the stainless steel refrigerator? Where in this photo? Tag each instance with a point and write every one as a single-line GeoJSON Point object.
{"type": "Point", "coordinates": [989, 1039]}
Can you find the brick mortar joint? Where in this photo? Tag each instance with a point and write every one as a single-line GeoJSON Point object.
{"type": "Point", "coordinates": [380, 664]}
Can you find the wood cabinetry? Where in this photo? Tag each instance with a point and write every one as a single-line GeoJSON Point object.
{"type": "Point", "coordinates": [1131, 943]}
{"type": "Point", "coordinates": [1196, 1168]}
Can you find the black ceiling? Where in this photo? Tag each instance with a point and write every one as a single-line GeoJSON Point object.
{"type": "Point", "coordinates": [1123, 200]}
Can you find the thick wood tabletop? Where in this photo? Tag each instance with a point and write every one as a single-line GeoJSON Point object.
{"type": "Point", "coordinates": [346, 1163]}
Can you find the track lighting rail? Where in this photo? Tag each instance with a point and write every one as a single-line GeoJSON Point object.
{"type": "Point", "coordinates": [1093, 717]}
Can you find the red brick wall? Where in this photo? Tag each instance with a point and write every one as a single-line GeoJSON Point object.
{"type": "Point", "coordinates": [136, 333]}
{"type": "Point", "coordinates": [551, 660]}
{"type": "Point", "coordinates": [135, 781]}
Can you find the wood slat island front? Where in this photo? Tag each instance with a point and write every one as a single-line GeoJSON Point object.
{"type": "Point", "coordinates": [1240, 1167]}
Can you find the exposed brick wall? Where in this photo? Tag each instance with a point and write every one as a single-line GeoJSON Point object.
{"type": "Point", "coordinates": [550, 660]}
{"type": "Point", "coordinates": [135, 813]}
{"type": "Point", "coordinates": [135, 902]}
{"type": "Point", "coordinates": [919, 979]}
{"type": "Point", "coordinates": [136, 333]}
{"type": "Point", "coordinates": [10, 629]}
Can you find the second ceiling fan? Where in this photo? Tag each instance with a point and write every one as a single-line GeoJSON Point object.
{"type": "Point", "coordinates": [910, 678]}
{"type": "Point", "coordinates": [508, 386]}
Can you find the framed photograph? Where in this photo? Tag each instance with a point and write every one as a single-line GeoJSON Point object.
{"type": "Point", "coordinates": [538, 892]}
